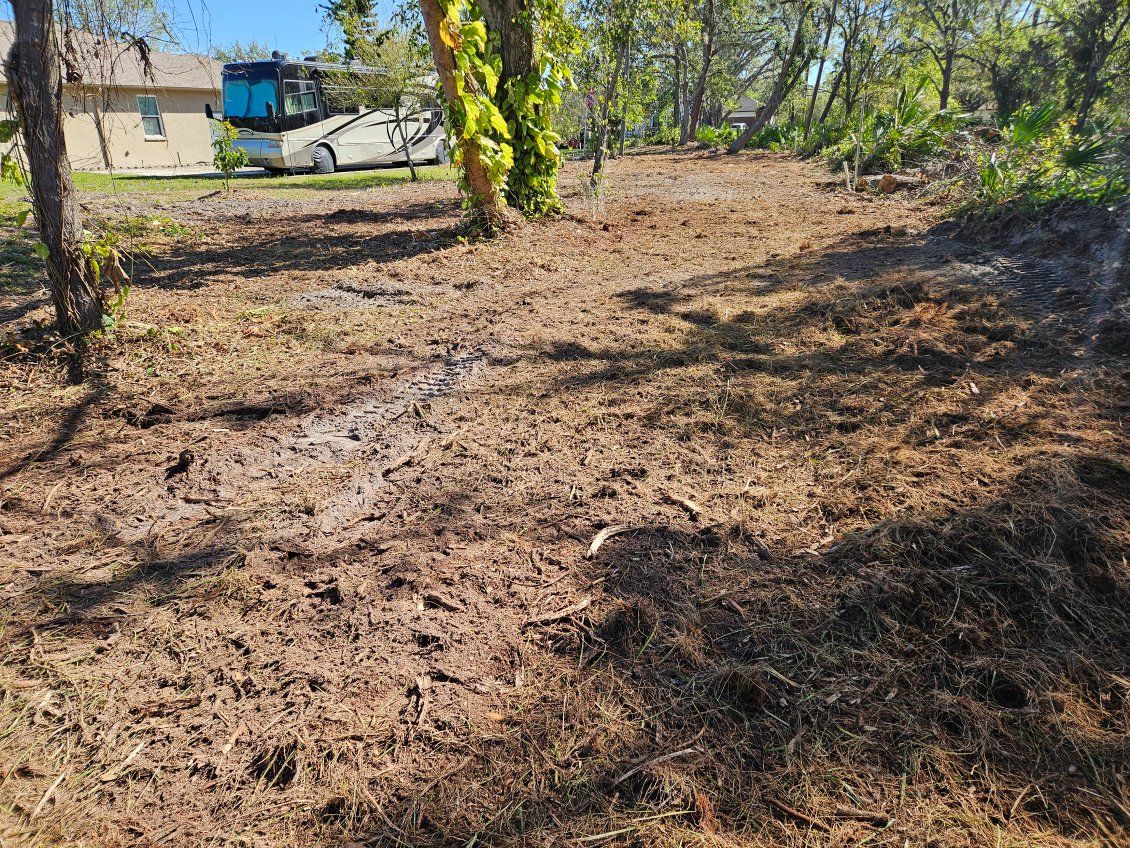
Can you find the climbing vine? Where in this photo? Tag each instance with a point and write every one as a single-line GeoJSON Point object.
{"type": "Point", "coordinates": [509, 125]}
{"type": "Point", "coordinates": [530, 103]}
{"type": "Point", "coordinates": [474, 119]}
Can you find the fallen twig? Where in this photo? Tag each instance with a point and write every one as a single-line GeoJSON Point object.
{"type": "Point", "coordinates": [608, 532]}
{"type": "Point", "coordinates": [686, 503]}
{"type": "Point", "coordinates": [797, 814]}
{"type": "Point", "coordinates": [875, 817]}
{"type": "Point", "coordinates": [560, 614]}
{"type": "Point", "coordinates": [693, 749]}
{"type": "Point", "coordinates": [408, 458]}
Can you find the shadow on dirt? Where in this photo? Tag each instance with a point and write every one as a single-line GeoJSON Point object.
{"type": "Point", "coordinates": [338, 240]}
{"type": "Point", "coordinates": [907, 314]}
{"type": "Point", "coordinates": [71, 419]}
{"type": "Point", "coordinates": [976, 651]}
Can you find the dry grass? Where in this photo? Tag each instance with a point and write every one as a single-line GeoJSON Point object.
{"type": "Point", "coordinates": [361, 614]}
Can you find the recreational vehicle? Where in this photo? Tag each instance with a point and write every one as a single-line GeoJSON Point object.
{"type": "Point", "coordinates": [309, 115]}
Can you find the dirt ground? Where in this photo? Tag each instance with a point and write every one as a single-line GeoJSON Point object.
{"type": "Point", "coordinates": [742, 511]}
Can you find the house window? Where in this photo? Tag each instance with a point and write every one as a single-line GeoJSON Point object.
{"type": "Point", "coordinates": [150, 116]}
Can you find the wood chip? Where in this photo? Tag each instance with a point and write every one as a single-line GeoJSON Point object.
{"type": "Point", "coordinates": [686, 503]}
{"type": "Point", "coordinates": [875, 817]}
{"type": "Point", "coordinates": [408, 458]}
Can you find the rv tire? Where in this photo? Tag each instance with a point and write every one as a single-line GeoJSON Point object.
{"type": "Point", "coordinates": [323, 160]}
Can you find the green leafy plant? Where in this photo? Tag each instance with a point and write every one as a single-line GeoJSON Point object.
{"type": "Point", "coordinates": [716, 136]}
{"type": "Point", "coordinates": [906, 132]}
{"type": "Point", "coordinates": [668, 136]}
{"type": "Point", "coordinates": [1042, 160]}
{"type": "Point", "coordinates": [475, 121]}
{"type": "Point", "coordinates": [227, 158]}
{"type": "Point", "coordinates": [105, 261]}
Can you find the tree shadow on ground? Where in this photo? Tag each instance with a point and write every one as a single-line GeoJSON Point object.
{"type": "Point", "coordinates": [70, 421]}
{"type": "Point", "coordinates": [974, 652]}
{"type": "Point", "coordinates": [267, 252]}
{"type": "Point", "coordinates": [805, 329]}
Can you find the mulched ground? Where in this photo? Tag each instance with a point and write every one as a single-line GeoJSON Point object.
{"type": "Point", "coordinates": [744, 511]}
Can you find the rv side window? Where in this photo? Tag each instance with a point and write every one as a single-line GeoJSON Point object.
{"type": "Point", "coordinates": [299, 97]}
{"type": "Point", "coordinates": [150, 116]}
{"type": "Point", "coordinates": [341, 100]}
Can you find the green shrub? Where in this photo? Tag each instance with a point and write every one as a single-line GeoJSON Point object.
{"type": "Point", "coordinates": [889, 139]}
{"type": "Point", "coordinates": [662, 135]}
{"type": "Point", "coordinates": [1041, 160]}
{"type": "Point", "coordinates": [228, 158]}
{"type": "Point", "coordinates": [716, 136]}
{"type": "Point", "coordinates": [771, 138]}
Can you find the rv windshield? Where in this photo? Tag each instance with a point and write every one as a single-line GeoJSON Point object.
{"type": "Point", "coordinates": [248, 91]}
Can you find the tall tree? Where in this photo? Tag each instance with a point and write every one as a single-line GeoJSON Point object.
{"type": "Point", "coordinates": [532, 38]}
{"type": "Point", "coordinates": [709, 32]}
{"type": "Point", "coordinates": [35, 78]}
{"type": "Point", "coordinates": [790, 70]}
{"type": "Point", "coordinates": [1096, 40]}
{"type": "Point", "coordinates": [483, 173]}
{"type": "Point", "coordinates": [359, 23]}
{"type": "Point", "coordinates": [830, 25]}
{"type": "Point", "coordinates": [1013, 51]}
{"type": "Point", "coordinates": [237, 51]}
{"type": "Point", "coordinates": [943, 29]}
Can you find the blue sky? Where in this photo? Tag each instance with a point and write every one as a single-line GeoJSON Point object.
{"type": "Point", "coordinates": [293, 26]}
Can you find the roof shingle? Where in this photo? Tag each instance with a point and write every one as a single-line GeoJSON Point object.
{"type": "Point", "coordinates": [118, 64]}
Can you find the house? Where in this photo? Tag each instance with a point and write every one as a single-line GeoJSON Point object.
{"type": "Point", "coordinates": [743, 113]}
{"type": "Point", "coordinates": [121, 113]}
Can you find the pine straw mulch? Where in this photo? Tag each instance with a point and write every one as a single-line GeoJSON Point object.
{"type": "Point", "coordinates": [862, 577]}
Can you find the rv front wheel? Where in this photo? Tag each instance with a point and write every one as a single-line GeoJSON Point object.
{"type": "Point", "coordinates": [323, 160]}
{"type": "Point", "coordinates": [441, 153]}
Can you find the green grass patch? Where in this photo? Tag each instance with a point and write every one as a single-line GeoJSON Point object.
{"type": "Point", "coordinates": [258, 182]}
{"type": "Point", "coordinates": [18, 261]}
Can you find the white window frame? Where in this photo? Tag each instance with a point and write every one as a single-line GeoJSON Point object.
{"type": "Point", "coordinates": [157, 114]}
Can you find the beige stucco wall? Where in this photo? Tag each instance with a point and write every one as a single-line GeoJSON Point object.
{"type": "Point", "coordinates": [187, 141]}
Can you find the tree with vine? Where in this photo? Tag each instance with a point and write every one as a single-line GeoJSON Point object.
{"type": "Point", "coordinates": [502, 67]}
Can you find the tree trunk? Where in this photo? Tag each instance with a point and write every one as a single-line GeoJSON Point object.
{"type": "Point", "coordinates": [947, 79]}
{"type": "Point", "coordinates": [820, 70]}
{"type": "Point", "coordinates": [704, 73]}
{"type": "Point", "coordinates": [37, 93]}
{"type": "Point", "coordinates": [677, 110]}
{"type": "Point", "coordinates": [515, 39]}
{"type": "Point", "coordinates": [484, 195]}
{"type": "Point", "coordinates": [605, 107]}
{"type": "Point", "coordinates": [685, 95]}
{"type": "Point", "coordinates": [404, 138]}
{"type": "Point", "coordinates": [832, 92]}
{"type": "Point", "coordinates": [784, 81]}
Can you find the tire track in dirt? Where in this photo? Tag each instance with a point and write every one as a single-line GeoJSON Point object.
{"type": "Point", "coordinates": [375, 435]}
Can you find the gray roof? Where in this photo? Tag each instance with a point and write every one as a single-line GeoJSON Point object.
{"type": "Point", "coordinates": [747, 107]}
{"type": "Point", "coordinates": [120, 65]}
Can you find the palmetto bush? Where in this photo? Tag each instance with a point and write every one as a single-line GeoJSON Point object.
{"type": "Point", "coordinates": [1042, 160]}
{"type": "Point", "coordinates": [888, 139]}
{"type": "Point", "coordinates": [716, 136]}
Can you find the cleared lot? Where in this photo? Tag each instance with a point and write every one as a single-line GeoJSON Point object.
{"type": "Point", "coordinates": [864, 491]}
